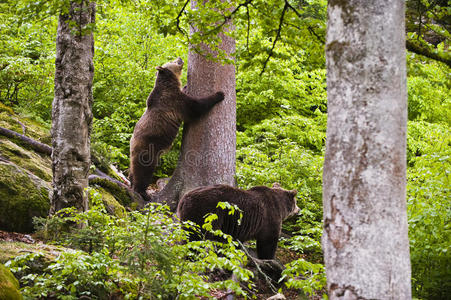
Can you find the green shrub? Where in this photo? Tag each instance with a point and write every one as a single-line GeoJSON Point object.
{"type": "Point", "coordinates": [141, 255]}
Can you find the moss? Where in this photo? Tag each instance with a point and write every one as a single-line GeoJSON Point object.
{"type": "Point", "coordinates": [119, 193]}
{"type": "Point", "coordinates": [111, 204]}
{"type": "Point", "coordinates": [9, 286]}
{"type": "Point", "coordinates": [7, 109]}
{"type": "Point", "coordinates": [22, 197]}
{"type": "Point", "coordinates": [29, 160]}
{"type": "Point", "coordinates": [33, 129]}
{"type": "Point", "coordinates": [10, 250]}
{"type": "Point", "coordinates": [14, 151]}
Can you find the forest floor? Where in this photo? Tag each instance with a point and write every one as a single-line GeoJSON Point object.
{"type": "Point", "coordinates": [13, 244]}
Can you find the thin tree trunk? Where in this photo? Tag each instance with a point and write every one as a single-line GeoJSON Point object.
{"type": "Point", "coordinates": [208, 144]}
{"type": "Point", "coordinates": [365, 242]}
{"type": "Point", "coordinates": [71, 114]}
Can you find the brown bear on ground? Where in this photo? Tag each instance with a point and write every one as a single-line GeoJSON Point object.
{"type": "Point", "coordinates": [167, 107]}
{"type": "Point", "coordinates": [263, 208]}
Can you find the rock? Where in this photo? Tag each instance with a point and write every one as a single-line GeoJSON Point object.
{"type": "Point", "coordinates": [162, 182]}
{"type": "Point", "coordinates": [23, 196]}
{"type": "Point", "coordinates": [120, 193]}
{"type": "Point", "coordinates": [9, 286]}
{"type": "Point", "coordinates": [39, 165]}
{"type": "Point", "coordinates": [112, 206]}
{"type": "Point", "coordinates": [277, 297]}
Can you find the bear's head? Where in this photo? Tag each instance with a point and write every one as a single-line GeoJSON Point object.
{"type": "Point", "coordinates": [175, 67]}
{"type": "Point", "coordinates": [287, 199]}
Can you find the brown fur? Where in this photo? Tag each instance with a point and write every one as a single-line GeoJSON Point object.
{"type": "Point", "coordinates": [167, 107]}
{"type": "Point", "coordinates": [264, 210]}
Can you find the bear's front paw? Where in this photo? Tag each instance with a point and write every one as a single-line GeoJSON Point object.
{"type": "Point", "coordinates": [219, 96]}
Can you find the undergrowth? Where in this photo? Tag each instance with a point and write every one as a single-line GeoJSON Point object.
{"type": "Point", "coordinates": [144, 255]}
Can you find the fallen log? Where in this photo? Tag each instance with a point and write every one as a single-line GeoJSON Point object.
{"type": "Point", "coordinates": [33, 144]}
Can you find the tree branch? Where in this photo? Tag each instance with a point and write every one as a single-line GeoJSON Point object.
{"type": "Point", "coordinates": [313, 32]}
{"type": "Point", "coordinates": [255, 261]}
{"type": "Point", "coordinates": [285, 7]}
{"type": "Point", "coordinates": [229, 17]}
{"type": "Point", "coordinates": [116, 187]}
{"type": "Point", "coordinates": [421, 50]}
{"type": "Point", "coordinates": [179, 16]}
{"type": "Point", "coordinates": [24, 128]}
{"type": "Point", "coordinates": [248, 28]}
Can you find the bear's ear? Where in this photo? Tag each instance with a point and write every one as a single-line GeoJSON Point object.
{"type": "Point", "coordinates": [159, 68]}
{"type": "Point", "coordinates": [276, 185]}
{"type": "Point", "coordinates": [293, 192]}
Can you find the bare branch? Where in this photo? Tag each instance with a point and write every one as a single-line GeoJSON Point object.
{"type": "Point", "coordinates": [285, 7]}
{"type": "Point", "coordinates": [293, 9]}
{"type": "Point", "coordinates": [257, 263]}
{"type": "Point", "coordinates": [179, 16]}
{"type": "Point", "coordinates": [229, 17]}
{"type": "Point", "coordinates": [248, 28]}
{"type": "Point", "coordinates": [313, 32]}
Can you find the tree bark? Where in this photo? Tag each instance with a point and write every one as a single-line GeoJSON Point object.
{"type": "Point", "coordinates": [208, 144]}
{"type": "Point", "coordinates": [71, 112]}
{"type": "Point", "coordinates": [365, 242]}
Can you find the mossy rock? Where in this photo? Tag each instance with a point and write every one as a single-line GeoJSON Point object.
{"type": "Point", "coordinates": [33, 129]}
{"type": "Point", "coordinates": [112, 206]}
{"type": "Point", "coordinates": [10, 250]}
{"type": "Point", "coordinates": [22, 197]}
{"type": "Point", "coordinates": [119, 193]}
{"type": "Point", "coordinates": [39, 165]}
{"type": "Point", "coordinates": [9, 286]}
{"type": "Point", "coordinates": [7, 109]}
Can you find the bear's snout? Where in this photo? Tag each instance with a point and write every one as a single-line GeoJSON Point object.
{"type": "Point", "coordinates": [296, 210]}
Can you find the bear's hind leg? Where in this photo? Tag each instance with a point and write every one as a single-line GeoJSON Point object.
{"type": "Point", "coordinates": [141, 178]}
{"type": "Point", "coordinates": [266, 248]}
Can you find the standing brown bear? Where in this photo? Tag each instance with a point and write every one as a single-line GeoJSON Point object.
{"type": "Point", "coordinates": [167, 107]}
{"type": "Point", "coordinates": [263, 208]}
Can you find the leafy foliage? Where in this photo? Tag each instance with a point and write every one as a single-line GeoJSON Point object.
{"type": "Point", "coordinates": [304, 275]}
{"type": "Point", "coordinates": [141, 255]}
{"type": "Point", "coordinates": [428, 178]}
{"type": "Point", "coordinates": [427, 26]}
{"type": "Point", "coordinates": [26, 61]}
{"type": "Point", "coordinates": [429, 212]}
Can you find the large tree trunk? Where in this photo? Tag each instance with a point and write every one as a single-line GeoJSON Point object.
{"type": "Point", "coordinates": [366, 248]}
{"type": "Point", "coordinates": [208, 144]}
{"type": "Point", "coordinates": [71, 114]}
